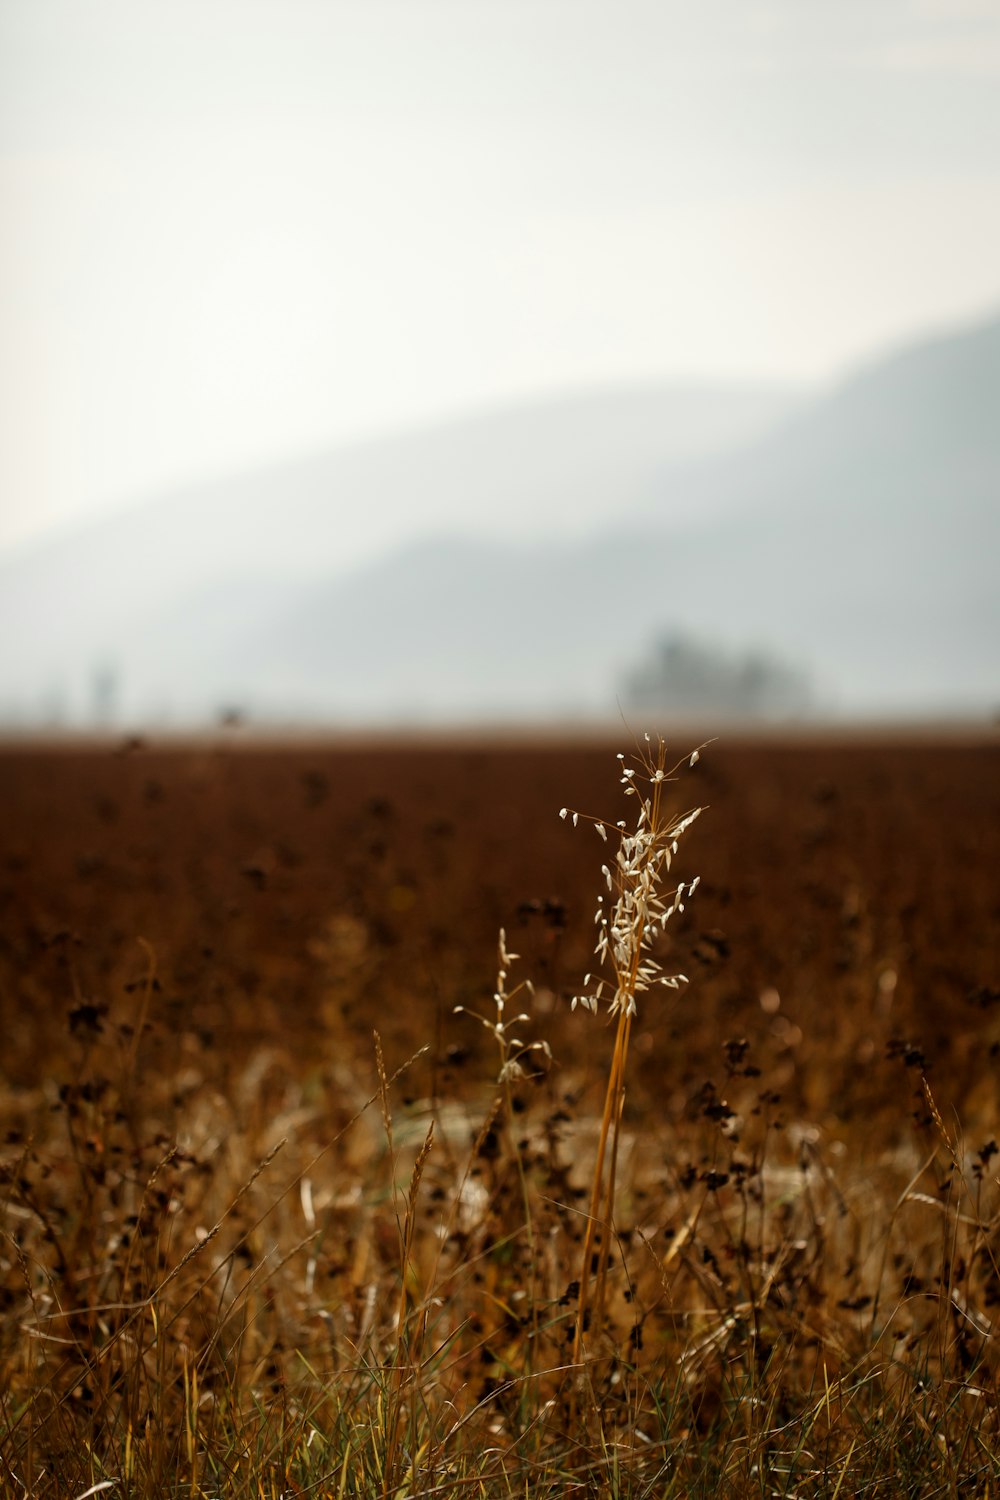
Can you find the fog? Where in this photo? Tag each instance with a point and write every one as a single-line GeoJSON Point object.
{"type": "Point", "coordinates": [290, 290]}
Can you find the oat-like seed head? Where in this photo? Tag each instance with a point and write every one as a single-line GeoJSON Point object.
{"type": "Point", "coordinates": [635, 880]}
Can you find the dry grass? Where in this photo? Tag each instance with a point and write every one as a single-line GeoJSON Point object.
{"type": "Point", "coordinates": [232, 1270]}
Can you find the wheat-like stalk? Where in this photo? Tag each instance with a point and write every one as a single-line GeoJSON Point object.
{"type": "Point", "coordinates": [640, 909]}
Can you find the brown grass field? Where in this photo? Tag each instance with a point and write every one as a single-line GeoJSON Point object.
{"type": "Point", "coordinates": [247, 1250]}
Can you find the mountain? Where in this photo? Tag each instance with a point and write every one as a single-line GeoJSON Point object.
{"type": "Point", "coordinates": [852, 537]}
{"type": "Point", "coordinates": [183, 577]}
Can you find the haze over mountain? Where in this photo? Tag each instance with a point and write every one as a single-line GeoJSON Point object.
{"type": "Point", "coordinates": [854, 534]}
{"type": "Point", "coordinates": [105, 597]}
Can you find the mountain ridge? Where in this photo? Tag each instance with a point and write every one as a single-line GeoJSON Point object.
{"type": "Point", "coordinates": [854, 537]}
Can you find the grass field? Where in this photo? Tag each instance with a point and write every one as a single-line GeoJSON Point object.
{"type": "Point", "coordinates": [276, 1220]}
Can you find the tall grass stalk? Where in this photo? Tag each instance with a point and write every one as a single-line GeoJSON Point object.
{"type": "Point", "coordinates": [514, 1053]}
{"type": "Point", "coordinates": [641, 908]}
{"type": "Point", "coordinates": [409, 1336]}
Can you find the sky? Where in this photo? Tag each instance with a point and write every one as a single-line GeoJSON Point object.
{"type": "Point", "coordinates": [240, 230]}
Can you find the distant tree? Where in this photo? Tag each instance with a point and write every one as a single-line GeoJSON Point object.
{"type": "Point", "coordinates": [684, 675]}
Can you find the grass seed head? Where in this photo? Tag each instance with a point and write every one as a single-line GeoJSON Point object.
{"type": "Point", "coordinates": [637, 880]}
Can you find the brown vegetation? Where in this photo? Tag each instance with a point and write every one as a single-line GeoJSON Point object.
{"type": "Point", "coordinates": [247, 1250]}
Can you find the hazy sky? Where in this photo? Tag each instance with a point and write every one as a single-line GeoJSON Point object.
{"type": "Point", "coordinates": [235, 229]}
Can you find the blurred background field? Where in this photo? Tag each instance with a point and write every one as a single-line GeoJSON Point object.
{"type": "Point", "coordinates": [856, 877]}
